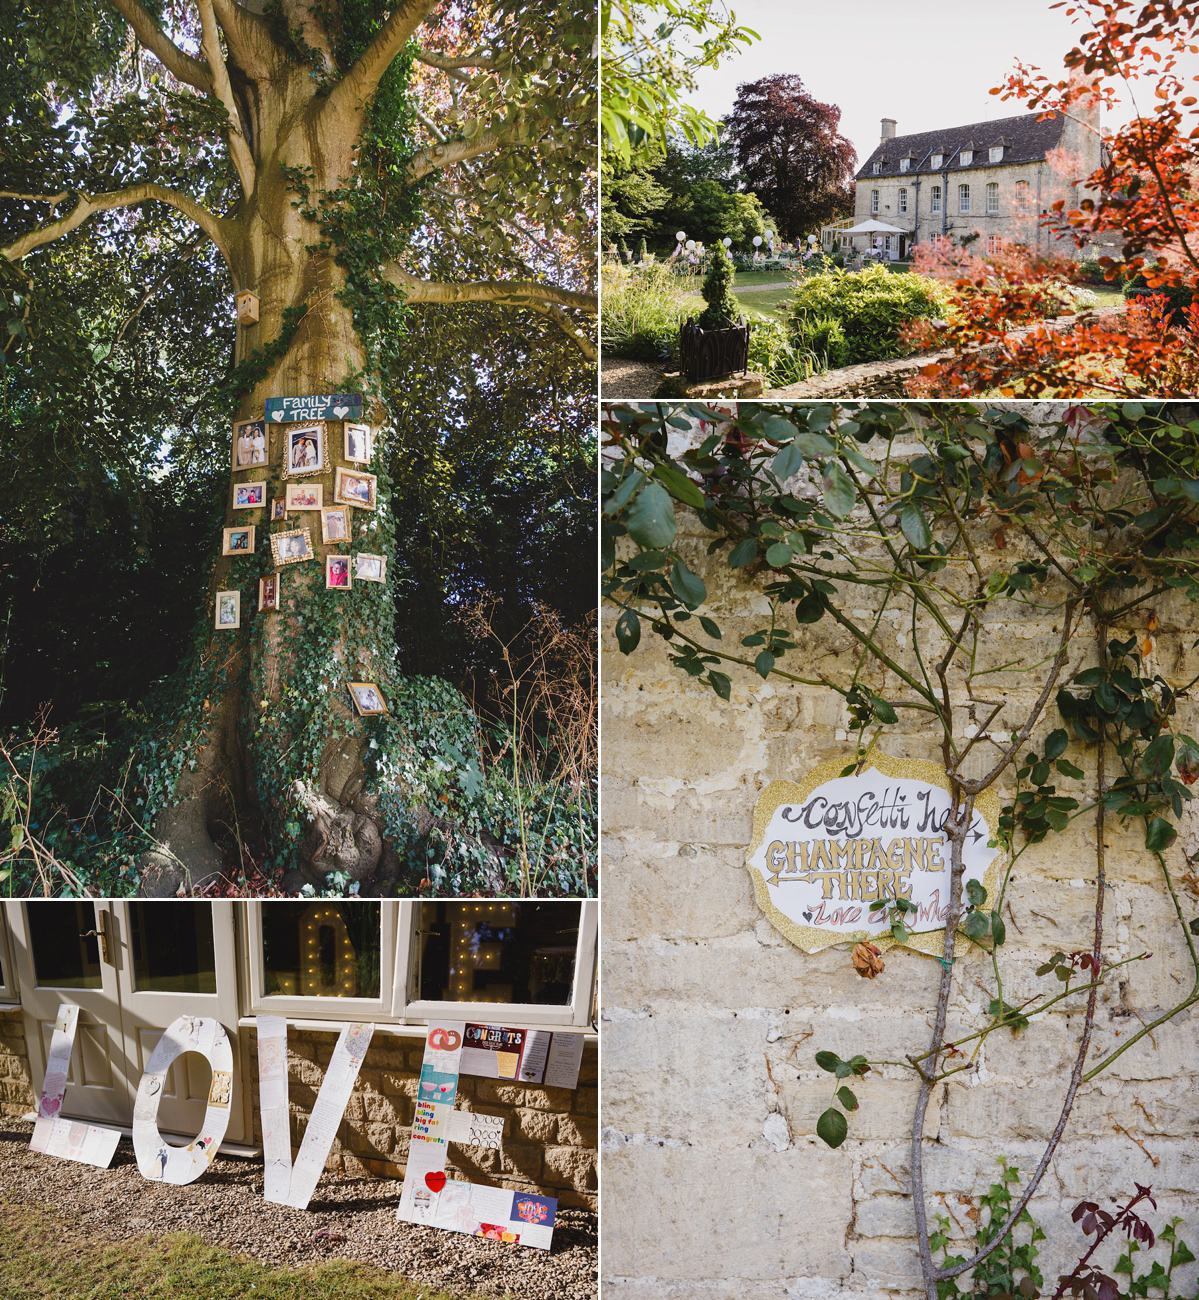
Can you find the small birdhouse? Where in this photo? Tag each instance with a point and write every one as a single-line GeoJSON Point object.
{"type": "Point", "coordinates": [247, 308]}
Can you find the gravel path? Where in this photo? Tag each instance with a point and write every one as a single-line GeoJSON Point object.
{"type": "Point", "coordinates": [355, 1215]}
{"type": "Point", "coordinates": [629, 379]}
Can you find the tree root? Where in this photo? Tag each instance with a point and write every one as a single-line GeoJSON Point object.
{"type": "Point", "coordinates": [346, 840]}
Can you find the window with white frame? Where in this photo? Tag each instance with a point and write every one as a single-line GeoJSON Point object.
{"type": "Point", "coordinates": [992, 244]}
{"type": "Point", "coordinates": [1023, 202]}
{"type": "Point", "coordinates": [996, 153]}
{"type": "Point", "coordinates": [877, 168]}
{"type": "Point", "coordinates": [874, 200]}
{"type": "Point", "coordinates": [904, 164]}
{"type": "Point", "coordinates": [937, 240]}
{"type": "Point", "coordinates": [993, 196]}
{"type": "Point", "coordinates": [937, 159]}
{"type": "Point", "coordinates": [967, 157]}
{"type": "Point", "coordinates": [963, 198]}
{"type": "Point", "coordinates": [935, 198]}
{"type": "Point", "coordinates": [405, 962]}
{"type": "Point", "coordinates": [903, 200]}
{"type": "Point", "coordinates": [8, 979]}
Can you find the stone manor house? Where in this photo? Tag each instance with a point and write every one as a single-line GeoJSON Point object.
{"type": "Point", "coordinates": [995, 178]}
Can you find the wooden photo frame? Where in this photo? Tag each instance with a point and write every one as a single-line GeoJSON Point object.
{"type": "Point", "coordinates": [291, 547]}
{"type": "Point", "coordinates": [238, 540]}
{"type": "Point", "coordinates": [335, 524]}
{"type": "Point", "coordinates": [305, 449]}
{"type": "Point", "coordinates": [370, 568]}
{"type": "Point", "coordinates": [228, 611]}
{"type": "Point", "coordinates": [368, 698]}
{"type": "Point", "coordinates": [251, 449]}
{"type": "Point", "coordinates": [278, 508]}
{"type": "Point", "coordinates": [304, 496]}
{"type": "Point", "coordinates": [352, 487]}
{"type": "Point", "coordinates": [359, 442]}
{"type": "Point", "coordinates": [249, 496]}
{"type": "Point", "coordinates": [337, 572]}
{"type": "Point", "coordinates": [268, 592]}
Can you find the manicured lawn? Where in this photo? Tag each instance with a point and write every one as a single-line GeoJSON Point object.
{"type": "Point", "coordinates": [46, 1259]}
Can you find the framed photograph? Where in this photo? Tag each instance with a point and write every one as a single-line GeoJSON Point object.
{"type": "Point", "coordinates": [238, 541]}
{"type": "Point", "coordinates": [354, 488]}
{"type": "Point", "coordinates": [268, 592]}
{"type": "Point", "coordinates": [337, 572]}
{"type": "Point", "coordinates": [249, 496]}
{"type": "Point", "coordinates": [305, 450]}
{"type": "Point", "coordinates": [228, 610]}
{"type": "Point", "coordinates": [368, 698]}
{"type": "Point", "coordinates": [370, 568]}
{"type": "Point", "coordinates": [291, 547]}
{"type": "Point", "coordinates": [304, 496]}
{"type": "Point", "coordinates": [360, 443]}
{"type": "Point", "coordinates": [249, 443]}
{"type": "Point", "coordinates": [335, 524]}
{"type": "Point", "coordinates": [278, 508]}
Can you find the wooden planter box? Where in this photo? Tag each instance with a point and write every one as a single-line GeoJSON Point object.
{"type": "Point", "coordinates": [712, 354]}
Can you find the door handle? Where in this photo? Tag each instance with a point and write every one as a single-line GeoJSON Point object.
{"type": "Point", "coordinates": [101, 934]}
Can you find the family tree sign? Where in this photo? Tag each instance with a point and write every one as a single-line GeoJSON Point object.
{"type": "Point", "coordinates": [829, 852]}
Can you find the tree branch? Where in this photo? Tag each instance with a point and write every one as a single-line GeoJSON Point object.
{"type": "Point", "coordinates": [247, 35]}
{"type": "Point", "coordinates": [544, 299]}
{"type": "Point", "coordinates": [443, 155]}
{"type": "Point", "coordinates": [356, 87]}
{"type": "Point", "coordinates": [239, 150]}
{"type": "Point", "coordinates": [479, 59]}
{"type": "Point", "coordinates": [180, 65]}
{"type": "Point", "coordinates": [216, 228]}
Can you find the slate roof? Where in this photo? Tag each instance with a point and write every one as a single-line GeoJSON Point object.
{"type": "Point", "coordinates": [1025, 139]}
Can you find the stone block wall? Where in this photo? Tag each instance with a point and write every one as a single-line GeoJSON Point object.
{"type": "Point", "coordinates": [16, 1086]}
{"type": "Point", "coordinates": [711, 1019]}
{"type": "Point", "coordinates": [550, 1140]}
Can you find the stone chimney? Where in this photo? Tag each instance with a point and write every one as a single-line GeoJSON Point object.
{"type": "Point", "coordinates": [888, 129]}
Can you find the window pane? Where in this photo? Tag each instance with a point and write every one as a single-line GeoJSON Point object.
{"type": "Point", "coordinates": [62, 957]}
{"type": "Point", "coordinates": [498, 952]}
{"type": "Point", "coordinates": [320, 950]}
{"type": "Point", "coordinates": [172, 947]}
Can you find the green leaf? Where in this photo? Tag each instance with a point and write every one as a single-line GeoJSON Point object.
{"type": "Point", "coordinates": [1194, 926]}
{"type": "Point", "coordinates": [628, 631]}
{"type": "Point", "coordinates": [998, 929]}
{"type": "Point", "coordinates": [832, 1127]}
{"type": "Point", "coordinates": [840, 492]}
{"type": "Point", "coordinates": [1158, 756]}
{"type": "Point", "coordinates": [779, 554]}
{"type": "Point", "coordinates": [828, 1061]}
{"type": "Point", "coordinates": [679, 486]}
{"type": "Point", "coordinates": [884, 711]}
{"type": "Point", "coordinates": [847, 1099]}
{"type": "Point", "coordinates": [650, 521]}
{"type": "Point", "coordinates": [688, 587]}
{"type": "Point", "coordinates": [620, 498]}
{"type": "Point", "coordinates": [787, 462]}
{"type": "Point", "coordinates": [1066, 768]}
{"type": "Point", "coordinates": [810, 609]}
{"type": "Point", "coordinates": [1159, 835]}
{"type": "Point", "coordinates": [764, 663]}
{"type": "Point", "coordinates": [976, 926]}
{"type": "Point", "coordinates": [815, 445]}
{"type": "Point", "coordinates": [710, 628]}
{"type": "Point", "coordinates": [720, 683]}
{"type": "Point", "coordinates": [745, 552]}
{"type": "Point", "coordinates": [1056, 744]}
{"type": "Point", "coordinates": [976, 893]}
{"type": "Point", "coordinates": [915, 527]}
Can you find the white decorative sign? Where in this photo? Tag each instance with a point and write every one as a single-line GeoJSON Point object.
{"type": "Point", "coordinates": [170, 1164]}
{"type": "Point", "coordinates": [494, 1052]}
{"type": "Point", "coordinates": [67, 1139]}
{"type": "Point", "coordinates": [284, 1183]}
{"type": "Point", "coordinates": [827, 853]}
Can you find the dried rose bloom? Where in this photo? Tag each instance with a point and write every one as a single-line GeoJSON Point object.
{"type": "Point", "coordinates": [866, 960]}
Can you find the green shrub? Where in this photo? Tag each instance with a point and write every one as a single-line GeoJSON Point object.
{"type": "Point", "coordinates": [642, 312]}
{"type": "Point", "coordinates": [722, 309]}
{"type": "Point", "coordinates": [871, 306]}
{"type": "Point", "coordinates": [824, 337]}
{"type": "Point", "coordinates": [777, 356]}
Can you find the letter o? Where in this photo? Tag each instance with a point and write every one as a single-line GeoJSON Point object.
{"type": "Point", "coordinates": [155, 1159]}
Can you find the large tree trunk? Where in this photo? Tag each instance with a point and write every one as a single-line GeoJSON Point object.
{"type": "Point", "coordinates": [266, 727]}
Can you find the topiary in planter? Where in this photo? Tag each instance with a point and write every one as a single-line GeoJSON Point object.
{"type": "Point", "coordinates": [718, 342]}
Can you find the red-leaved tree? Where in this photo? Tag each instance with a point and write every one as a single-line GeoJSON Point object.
{"type": "Point", "coordinates": [791, 153]}
{"type": "Point", "coordinates": [1142, 211]}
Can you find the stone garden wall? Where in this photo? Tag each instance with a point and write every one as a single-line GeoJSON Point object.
{"type": "Point", "coordinates": [715, 1183]}
{"type": "Point", "coordinates": [550, 1135]}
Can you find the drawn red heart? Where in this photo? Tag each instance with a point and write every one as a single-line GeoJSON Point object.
{"type": "Point", "coordinates": [435, 1181]}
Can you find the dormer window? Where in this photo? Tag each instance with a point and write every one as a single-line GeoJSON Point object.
{"type": "Point", "coordinates": [996, 154]}
{"type": "Point", "coordinates": [938, 159]}
{"type": "Point", "coordinates": [904, 164]}
{"type": "Point", "coordinates": [966, 157]}
{"type": "Point", "coordinates": [877, 168]}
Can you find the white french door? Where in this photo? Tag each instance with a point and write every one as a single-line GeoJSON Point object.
{"type": "Point", "coordinates": [131, 967]}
